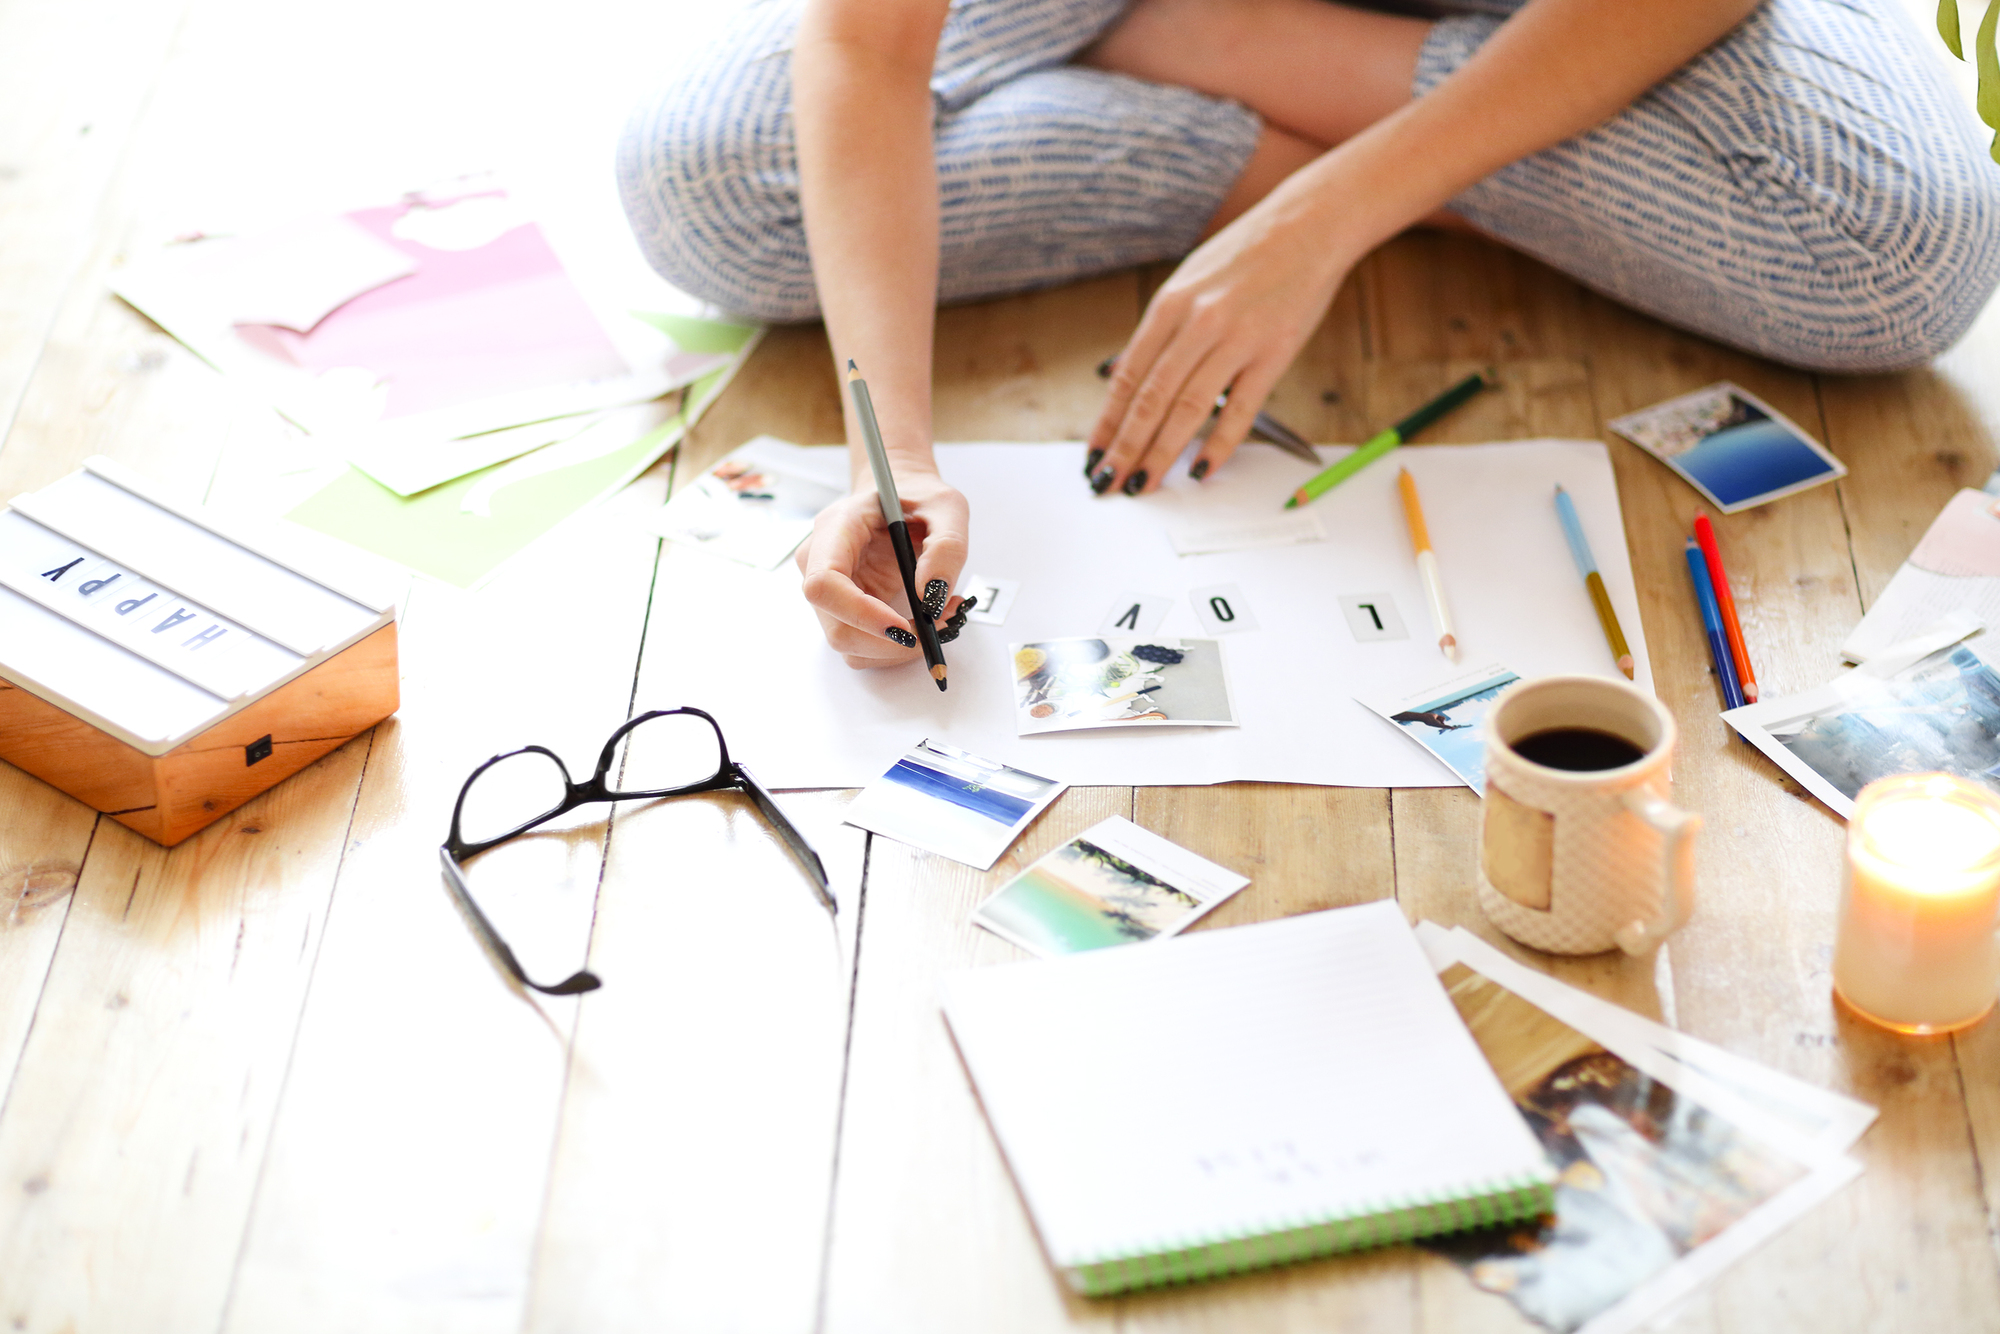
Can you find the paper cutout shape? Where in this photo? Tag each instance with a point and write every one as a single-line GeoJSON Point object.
{"type": "Point", "coordinates": [1132, 613]}
{"type": "Point", "coordinates": [1373, 617]}
{"type": "Point", "coordinates": [1222, 609]}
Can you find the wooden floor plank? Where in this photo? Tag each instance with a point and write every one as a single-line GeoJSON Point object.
{"type": "Point", "coordinates": [74, 81]}
{"type": "Point", "coordinates": [1910, 442]}
{"type": "Point", "coordinates": [1750, 971]}
{"type": "Point", "coordinates": [1451, 306]}
{"type": "Point", "coordinates": [418, 1209]}
{"type": "Point", "coordinates": [143, 1100]}
{"type": "Point", "coordinates": [44, 836]}
{"type": "Point", "coordinates": [1028, 363]}
{"type": "Point", "coordinates": [709, 1081]}
{"type": "Point", "coordinates": [1304, 849]}
{"type": "Point", "coordinates": [693, 1173]}
{"type": "Point", "coordinates": [928, 1231]}
{"type": "Point", "coordinates": [1437, 296]}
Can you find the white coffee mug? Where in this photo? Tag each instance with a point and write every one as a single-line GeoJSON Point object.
{"type": "Point", "coordinates": [1573, 860]}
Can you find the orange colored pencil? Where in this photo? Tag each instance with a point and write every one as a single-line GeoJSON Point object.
{"type": "Point", "coordinates": [1704, 533]}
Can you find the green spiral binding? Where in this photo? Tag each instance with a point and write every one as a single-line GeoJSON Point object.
{"type": "Point", "coordinates": [1172, 1260]}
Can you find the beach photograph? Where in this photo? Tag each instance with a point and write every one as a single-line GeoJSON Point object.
{"type": "Point", "coordinates": [952, 802]}
{"type": "Point", "coordinates": [1731, 445]}
{"type": "Point", "coordinates": [1085, 897]}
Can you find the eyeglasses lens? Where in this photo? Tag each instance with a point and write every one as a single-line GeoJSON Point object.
{"type": "Point", "coordinates": [517, 791]}
{"type": "Point", "coordinates": [672, 751]}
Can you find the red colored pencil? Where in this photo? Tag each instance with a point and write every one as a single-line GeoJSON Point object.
{"type": "Point", "coordinates": [1704, 533]}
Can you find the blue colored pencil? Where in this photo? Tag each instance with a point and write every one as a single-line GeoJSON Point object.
{"type": "Point", "coordinates": [1711, 619]}
{"type": "Point", "coordinates": [1586, 565]}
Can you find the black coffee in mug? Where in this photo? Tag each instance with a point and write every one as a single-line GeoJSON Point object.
{"type": "Point", "coordinates": [1579, 749]}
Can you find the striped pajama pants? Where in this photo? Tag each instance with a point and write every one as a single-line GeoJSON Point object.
{"type": "Point", "coordinates": [1809, 188]}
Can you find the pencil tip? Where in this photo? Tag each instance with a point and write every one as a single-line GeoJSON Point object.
{"type": "Point", "coordinates": [1750, 693]}
{"type": "Point", "coordinates": [1292, 503]}
{"type": "Point", "coordinates": [1448, 644]}
{"type": "Point", "coordinates": [1625, 665]}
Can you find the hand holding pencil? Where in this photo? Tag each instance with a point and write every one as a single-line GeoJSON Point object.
{"type": "Point", "coordinates": [854, 580]}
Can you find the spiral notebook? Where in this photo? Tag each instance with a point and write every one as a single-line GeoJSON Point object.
{"type": "Point", "coordinates": [1235, 1099]}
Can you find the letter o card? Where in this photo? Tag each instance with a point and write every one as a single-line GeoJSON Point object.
{"type": "Point", "coordinates": [1223, 610]}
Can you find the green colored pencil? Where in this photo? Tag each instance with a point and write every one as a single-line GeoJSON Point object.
{"type": "Point", "coordinates": [1387, 440]}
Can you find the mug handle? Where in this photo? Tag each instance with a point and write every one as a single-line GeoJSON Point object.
{"type": "Point", "coordinates": [1677, 829]}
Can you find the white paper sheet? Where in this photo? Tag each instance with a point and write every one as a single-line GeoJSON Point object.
{"type": "Point", "coordinates": [756, 658]}
{"type": "Point", "coordinates": [1955, 568]}
{"type": "Point", "coordinates": [407, 467]}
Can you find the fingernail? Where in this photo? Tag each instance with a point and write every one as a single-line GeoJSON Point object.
{"type": "Point", "coordinates": [1101, 482]}
{"type": "Point", "coordinates": [935, 592]}
{"type": "Point", "coordinates": [1135, 483]}
{"type": "Point", "coordinates": [898, 634]}
{"type": "Point", "coordinates": [1090, 464]}
{"type": "Point", "coordinates": [956, 623]}
{"type": "Point", "coordinates": [1200, 469]}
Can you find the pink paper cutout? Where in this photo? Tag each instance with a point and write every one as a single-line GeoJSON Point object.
{"type": "Point", "coordinates": [467, 325]}
{"type": "Point", "coordinates": [1964, 539]}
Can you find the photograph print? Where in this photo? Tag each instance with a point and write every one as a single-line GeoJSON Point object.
{"type": "Point", "coordinates": [1449, 719]}
{"type": "Point", "coordinates": [1116, 884]}
{"type": "Point", "coordinates": [1647, 1175]}
{"type": "Point", "coordinates": [1063, 685]}
{"type": "Point", "coordinates": [748, 508]}
{"type": "Point", "coordinates": [952, 802]}
{"type": "Point", "coordinates": [1942, 714]}
{"type": "Point", "coordinates": [1731, 446]}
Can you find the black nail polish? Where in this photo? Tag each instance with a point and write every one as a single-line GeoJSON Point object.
{"type": "Point", "coordinates": [1090, 464]}
{"type": "Point", "coordinates": [1135, 483]}
{"type": "Point", "coordinates": [1200, 469]}
{"type": "Point", "coordinates": [1101, 482]}
{"type": "Point", "coordinates": [897, 634]}
{"type": "Point", "coordinates": [935, 593]}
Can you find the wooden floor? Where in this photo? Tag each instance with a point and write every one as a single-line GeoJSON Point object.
{"type": "Point", "coordinates": [266, 1081]}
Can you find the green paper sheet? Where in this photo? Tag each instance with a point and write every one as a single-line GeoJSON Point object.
{"type": "Point", "coordinates": [432, 534]}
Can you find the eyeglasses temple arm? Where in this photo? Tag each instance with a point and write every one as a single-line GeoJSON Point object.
{"type": "Point", "coordinates": [454, 878]}
{"type": "Point", "coordinates": [794, 840]}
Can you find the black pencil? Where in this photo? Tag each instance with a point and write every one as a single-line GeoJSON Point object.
{"type": "Point", "coordinates": [892, 515]}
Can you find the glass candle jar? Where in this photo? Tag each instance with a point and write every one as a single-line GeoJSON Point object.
{"type": "Point", "coordinates": [1916, 950]}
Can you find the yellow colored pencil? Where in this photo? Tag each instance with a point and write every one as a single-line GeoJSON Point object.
{"type": "Point", "coordinates": [1427, 561]}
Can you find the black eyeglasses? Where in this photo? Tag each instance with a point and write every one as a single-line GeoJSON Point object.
{"type": "Point", "coordinates": [665, 753]}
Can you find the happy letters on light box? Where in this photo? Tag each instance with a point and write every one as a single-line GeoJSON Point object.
{"type": "Point", "coordinates": [163, 668]}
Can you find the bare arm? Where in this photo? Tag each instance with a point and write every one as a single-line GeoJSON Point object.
{"type": "Point", "coordinates": [1240, 307]}
{"type": "Point", "coordinates": [868, 183]}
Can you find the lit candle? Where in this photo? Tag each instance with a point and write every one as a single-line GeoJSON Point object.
{"type": "Point", "coordinates": [1916, 950]}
